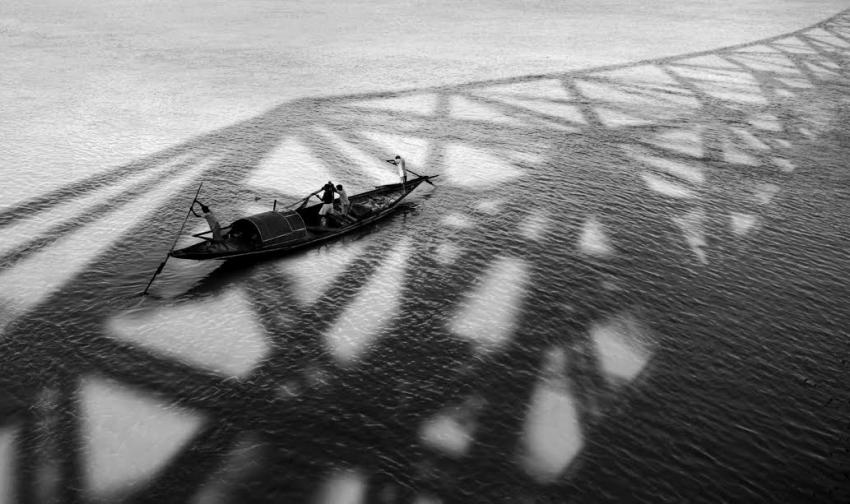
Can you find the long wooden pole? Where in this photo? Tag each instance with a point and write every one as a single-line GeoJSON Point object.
{"type": "Point", "coordinates": [174, 243]}
{"type": "Point", "coordinates": [304, 201]}
{"type": "Point", "coordinates": [427, 179]}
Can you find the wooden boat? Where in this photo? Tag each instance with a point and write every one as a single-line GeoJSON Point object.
{"type": "Point", "coordinates": [282, 231]}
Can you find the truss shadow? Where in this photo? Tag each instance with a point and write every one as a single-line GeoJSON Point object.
{"type": "Point", "coordinates": [471, 352]}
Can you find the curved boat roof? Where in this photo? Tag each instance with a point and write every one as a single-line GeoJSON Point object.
{"type": "Point", "coordinates": [273, 226]}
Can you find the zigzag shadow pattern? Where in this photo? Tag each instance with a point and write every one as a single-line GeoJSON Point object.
{"type": "Point", "coordinates": [446, 398]}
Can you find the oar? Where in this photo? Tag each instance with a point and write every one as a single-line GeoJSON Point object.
{"type": "Point", "coordinates": [304, 201]}
{"type": "Point", "coordinates": [162, 264]}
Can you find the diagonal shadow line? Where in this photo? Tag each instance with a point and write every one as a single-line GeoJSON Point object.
{"type": "Point", "coordinates": [96, 181]}
{"type": "Point", "coordinates": [181, 478]}
{"type": "Point", "coordinates": [780, 65]}
{"type": "Point", "coordinates": [483, 373]}
{"type": "Point", "coordinates": [799, 62]}
{"type": "Point", "coordinates": [311, 321]}
{"type": "Point", "coordinates": [447, 301]}
{"type": "Point", "coordinates": [437, 152]}
{"type": "Point", "coordinates": [831, 70]}
{"type": "Point", "coordinates": [428, 126]}
{"type": "Point", "coordinates": [831, 56]}
{"type": "Point", "coordinates": [449, 128]}
{"type": "Point", "coordinates": [320, 317]}
{"type": "Point", "coordinates": [827, 47]}
{"type": "Point", "coordinates": [42, 202]}
{"type": "Point", "coordinates": [539, 120]}
{"type": "Point", "coordinates": [89, 184]}
{"type": "Point", "coordinates": [69, 445]}
{"type": "Point", "coordinates": [718, 82]}
{"type": "Point", "coordinates": [95, 212]}
{"type": "Point", "coordinates": [835, 31]}
{"type": "Point", "coordinates": [26, 447]}
{"type": "Point", "coordinates": [768, 80]}
{"type": "Point", "coordinates": [197, 389]}
{"type": "Point", "coordinates": [716, 108]}
{"type": "Point", "coordinates": [652, 96]}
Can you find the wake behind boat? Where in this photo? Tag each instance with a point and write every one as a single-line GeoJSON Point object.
{"type": "Point", "coordinates": [283, 231]}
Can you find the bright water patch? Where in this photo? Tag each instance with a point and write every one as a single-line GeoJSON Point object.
{"type": "Point", "coordinates": [291, 168]}
{"type": "Point", "coordinates": [535, 225]}
{"type": "Point", "coordinates": [477, 169]}
{"type": "Point", "coordinates": [735, 155]}
{"type": "Point", "coordinates": [667, 187]}
{"type": "Point", "coordinates": [343, 486]}
{"type": "Point", "coordinates": [457, 221]}
{"type": "Point", "coordinates": [488, 316]}
{"type": "Point", "coordinates": [127, 436]}
{"type": "Point", "coordinates": [467, 109]}
{"type": "Point", "coordinates": [360, 162]}
{"type": "Point", "coordinates": [741, 223]}
{"type": "Point", "coordinates": [685, 141]}
{"type": "Point", "coordinates": [219, 333]}
{"type": "Point", "coordinates": [692, 226]}
{"type": "Point", "coordinates": [447, 253]}
{"type": "Point", "coordinates": [687, 172]}
{"type": "Point", "coordinates": [358, 327]}
{"type": "Point", "coordinates": [594, 240]}
{"type": "Point", "coordinates": [313, 273]}
{"type": "Point", "coordinates": [552, 434]}
{"type": "Point", "coordinates": [622, 346]}
{"type": "Point", "coordinates": [452, 429]}
{"type": "Point", "coordinates": [7, 464]}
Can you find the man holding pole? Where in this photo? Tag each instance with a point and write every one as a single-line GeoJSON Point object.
{"type": "Point", "coordinates": [402, 169]}
{"type": "Point", "coordinates": [212, 220]}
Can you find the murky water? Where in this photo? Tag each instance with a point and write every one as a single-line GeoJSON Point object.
{"type": "Point", "coordinates": [628, 284]}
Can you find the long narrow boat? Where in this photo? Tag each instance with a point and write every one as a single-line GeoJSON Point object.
{"type": "Point", "coordinates": [283, 231]}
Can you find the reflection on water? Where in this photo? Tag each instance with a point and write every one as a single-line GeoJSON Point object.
{"type": "Point", "coordinates": [479, 346]}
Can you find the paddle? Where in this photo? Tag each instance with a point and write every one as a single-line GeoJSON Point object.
{"type": "Point", "coordinates": [305, 200]}
{"type": "Point", "coordinates": [173, 244]}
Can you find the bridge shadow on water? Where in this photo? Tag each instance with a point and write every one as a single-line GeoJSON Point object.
{"type": "Point", "coordinates": [588, 259]}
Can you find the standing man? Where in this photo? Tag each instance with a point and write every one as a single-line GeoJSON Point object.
{"type": "Point", "coordinates": [402, 170]}
{"type": "Point", "coordinates": [212, 220]}
{"type": "Point", "coordinates": [327, 202]}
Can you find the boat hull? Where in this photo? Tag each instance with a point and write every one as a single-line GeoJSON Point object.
{"type": "Point", "coordinates": [367, 208]}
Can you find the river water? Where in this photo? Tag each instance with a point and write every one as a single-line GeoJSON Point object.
{"type": "Point", "coordinates": [627, 284]}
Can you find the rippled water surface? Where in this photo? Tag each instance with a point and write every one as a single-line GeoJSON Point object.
{"type": "Point", "coordinates": [627, 284]}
